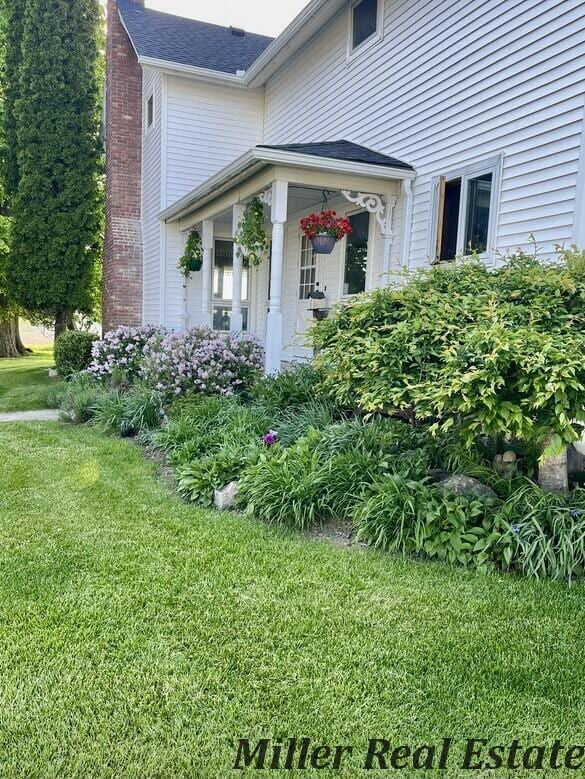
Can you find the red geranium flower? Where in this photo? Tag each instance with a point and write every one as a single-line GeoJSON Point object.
{"type": "Point", "coordinates": [326, 223]}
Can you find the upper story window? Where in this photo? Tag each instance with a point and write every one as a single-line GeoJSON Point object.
{"type": "Point", "coordinates": [150, 112]}
{"type": "Point", "coordinates": [365, 23]}
{"type": "Point", "coordinates": [465, 212]}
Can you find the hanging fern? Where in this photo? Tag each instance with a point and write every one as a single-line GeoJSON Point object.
{"type": "Point", "coordinates": [192, 259]}
{"type": "Point", "coordinates": [251, 238]}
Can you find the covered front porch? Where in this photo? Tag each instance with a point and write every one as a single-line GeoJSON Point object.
{"type": "Point", "coordinates": [276, 301]}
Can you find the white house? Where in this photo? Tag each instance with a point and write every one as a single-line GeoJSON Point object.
{"type": "Point", "coordinates": [432, 125]}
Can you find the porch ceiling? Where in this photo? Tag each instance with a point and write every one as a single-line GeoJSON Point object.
{"type": "Point", "coordinates": [301, 199]}
{"type": "Point", "coordinates": [307, 164]}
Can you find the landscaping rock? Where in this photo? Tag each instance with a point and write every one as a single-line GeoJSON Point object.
{"type": "Point", "coordinates": [468, 487]}
{"type": "Point", "coordinates": [225, 499]}
{"type": "Point", "coordinates": [506, 464]}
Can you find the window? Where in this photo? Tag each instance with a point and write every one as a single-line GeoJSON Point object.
{"type": "Point", "coordinates": [451, 203]}
{"type": "Point", "coordinates": [466, 206]}
{"type": "Point", "coordinates": [308, 275]}
{"type": "Point", "coordinates": [479, 195]}
{"type": "Point", "coordinates": [356, 255]}
{"type": "Point", "coordinates": [365, 22]}
{"type": "Point", "coordinates": [150, 111]}
{"type": "Point", "coordinates": [223, 275]}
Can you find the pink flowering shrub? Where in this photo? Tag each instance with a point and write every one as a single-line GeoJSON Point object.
{"type": "Point", "coordinates": [122, 350]}
{"type": "Point", "coordinates": [201, 360]}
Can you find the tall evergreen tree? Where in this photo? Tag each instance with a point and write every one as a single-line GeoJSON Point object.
{"type": "Point", "coordinates": [11, 14]}
{"type": "Point", "coordinates": [57, 205]}
{"type": "Point", "coordinates": [13, 20]}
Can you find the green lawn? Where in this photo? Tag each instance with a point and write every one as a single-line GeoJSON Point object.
{"type": "Point", "coordinates": [141, 637]}
{"type": "Point", "coordinates": [25, 382]}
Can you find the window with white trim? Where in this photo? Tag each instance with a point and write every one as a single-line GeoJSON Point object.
{"type": "Point", "coordinates": [223, 275]}
{"type": "Point", "coordinates": [150, 112]}
{"type": "Point", "coordinates": [365, 23]}
{"type": "Point", "coordinates": [356, 254]}
{"type": "Point", "coordinates": [308, 269]}
{"type": "Point", "coordinates": [465, 212]}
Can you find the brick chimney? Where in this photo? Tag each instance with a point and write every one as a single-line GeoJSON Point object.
{"type": "Point", "coordinates": [122, 284]}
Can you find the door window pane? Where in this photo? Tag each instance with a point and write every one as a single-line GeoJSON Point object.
{"type": "Point", "coordinates": [308, 273]}
{"type": "Point", "coordinates": [365, 21]}
{"type": "Point", "coordinates": [479, 196]}
{"type": "Point", "coordinates": [356, 255]}
{"type": "Point", "coordinates": [449, 228]}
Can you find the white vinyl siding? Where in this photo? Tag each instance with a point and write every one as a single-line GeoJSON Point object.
{"type": "Point", "coordinates": [207, 127]}
{"type": "Point", "coordinates": [151, 198]}
{"type": "Point", "coordinates": [450, 84]}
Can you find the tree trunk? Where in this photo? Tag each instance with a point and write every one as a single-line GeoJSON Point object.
{"type": "Point", "coordinates": [553, 473]}
{"type": "Point", "coordinates": [61, 321]}
{"type": "Point", "coordinates": [10, 343]}
{"type": "Point", "coordinates": [20, 346]}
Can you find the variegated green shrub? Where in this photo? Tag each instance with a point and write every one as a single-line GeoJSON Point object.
{"type": "Point", "coordinates": [496, 352]}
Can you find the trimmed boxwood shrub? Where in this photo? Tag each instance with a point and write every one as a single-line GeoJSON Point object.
{"type": "Point", "coordinates": [73, 352]}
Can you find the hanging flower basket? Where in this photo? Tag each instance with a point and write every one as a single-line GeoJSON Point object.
{"type": "Point", "coordinates": [323, 244]}
{"type": "Point", "coordinates": [251, 239]}
{"type": "Point", "coordinates": [324, 230]}
{"type": "Point", "coordinates": [192, 259]}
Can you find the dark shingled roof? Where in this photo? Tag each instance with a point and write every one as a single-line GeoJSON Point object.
{"type": "Point", "coordinates": [188, 42]}
{"type": "Point", "coordinates": [343, 150]}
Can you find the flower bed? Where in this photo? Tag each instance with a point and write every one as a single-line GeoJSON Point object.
{"type": "Point", "coordinates": [301, 460]}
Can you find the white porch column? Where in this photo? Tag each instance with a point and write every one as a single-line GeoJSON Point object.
{"type": "Point", "coordinates": [185, 283]}
{"type": "Point", "coordinates": [185, 306]}
{"type": "Point", "coordinates": [407, 208]}
{"type": "Point", "coordinates": [274, 324]}
{"type": "Point", "coordinates": [237, 320]}
{"type": "Point", "coordinates": [206, 272]}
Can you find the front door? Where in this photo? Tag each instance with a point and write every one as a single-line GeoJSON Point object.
{"type": "Point", "coordinates": [309, 282]}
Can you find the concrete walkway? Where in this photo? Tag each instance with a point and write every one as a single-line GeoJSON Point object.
{"type": "Point", "coordinates": [30, 416]}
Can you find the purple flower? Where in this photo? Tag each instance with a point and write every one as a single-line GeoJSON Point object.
{"type": "Point", "coordinates": [271, 438]}
{"type": "Point", "coordinates": [516, 529]}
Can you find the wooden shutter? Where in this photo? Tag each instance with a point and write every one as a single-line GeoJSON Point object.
{"type": "Point", "coordinates": [440, 217]}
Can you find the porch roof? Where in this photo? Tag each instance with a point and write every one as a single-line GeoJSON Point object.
{"type": "Point", "coordinates": [330, 156]}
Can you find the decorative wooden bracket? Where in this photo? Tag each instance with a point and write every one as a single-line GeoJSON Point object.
{"type": "Point", "coordinates": [266, 197]}
{"type": "Point", "coordinates": [382, 208]}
